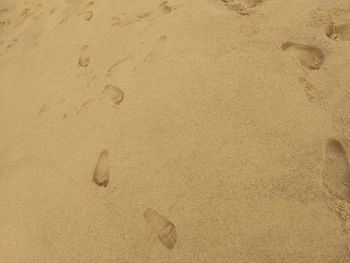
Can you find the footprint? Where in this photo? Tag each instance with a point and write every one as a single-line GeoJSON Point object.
{"type": "Point", "coordinates": [84, 58]}
{"type": "Point", "coordinates": [4, 24]}
{"type": "Point", "coordinates": [338, 32]}
{"type": "Point", "coordinates": [101, 174]}
{"type": "Point", "coordinates": [115, 65]}
{"type": "Point", "coordinates": [4, 10]}
{"type": "Point", "coordinates": [240, 6]}
{"type": "Point", "coordinates": [31, 11]}
{"type": "Point", "coordinates": [44, 108]}
{"type": "Point", "coordinates": [87, 15]}
{"type": "Point", "coordinates": [162, 227]}
{"type": "Point", "coordinates": [116, 94]}
{"type": "Point", "coordinates": [83, 106]}
{"type": "Point", "coordinates": [162, 10]}
{"type": "Point", "coordinates": [6, 46]}
{"type": "Point", "coordinates": [309, 57]}
{"type": "Point", "coordinates": [336, 170]}
{"type": "Point", "coordinates": [312, 92]}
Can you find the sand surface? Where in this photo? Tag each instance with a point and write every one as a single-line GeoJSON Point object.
{"type": "Point", "coordinates": [178, 131]}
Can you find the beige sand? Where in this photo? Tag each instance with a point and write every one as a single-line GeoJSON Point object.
{"type": "Point", "coordinates": [226, 125]}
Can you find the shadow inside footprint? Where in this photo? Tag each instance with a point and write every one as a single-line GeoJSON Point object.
{"type": "Point", "coordinates": [309, 57]}
{"type": "Point", "coordinates": [162, 227]}
{"type": "Point", "coordinates": [336, 170]}
{"type": "Point", "coordinates": [338, 32]}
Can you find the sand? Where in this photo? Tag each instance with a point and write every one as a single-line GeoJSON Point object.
{"type": "Point", "coordinates": [178, 131]}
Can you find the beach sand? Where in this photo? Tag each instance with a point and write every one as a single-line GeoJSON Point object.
{"type": "Point", "coordinates": [176, 131]}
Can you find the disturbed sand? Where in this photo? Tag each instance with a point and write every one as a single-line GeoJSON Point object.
{"type": "Point", "coordinates": [174, 131]}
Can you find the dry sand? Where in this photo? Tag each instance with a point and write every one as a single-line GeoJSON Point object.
{"type": "Point", "coordinates": [179, 131]}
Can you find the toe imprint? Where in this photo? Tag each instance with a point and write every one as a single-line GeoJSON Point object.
{"type": "Point", "coordinates": [338, 32]}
